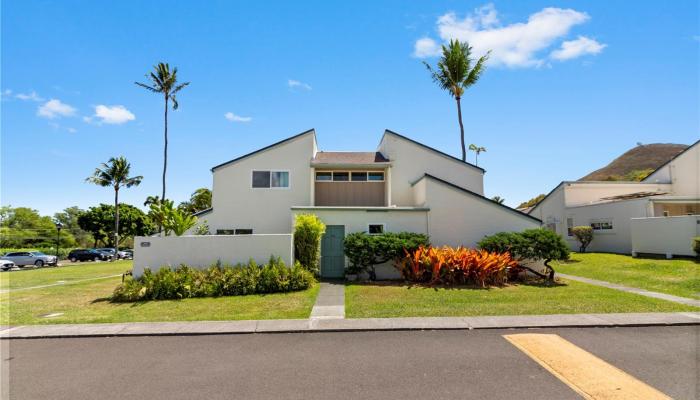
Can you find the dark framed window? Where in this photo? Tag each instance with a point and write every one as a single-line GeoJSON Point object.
{"type": "Point", "coordinates": [341, 176]}
{"type": "Point", "coordinates": [224, 231]}
{"type": "Point", "coordinates": [261, 179]}
{"type": "Point", "coordinates": [244, 231]}
{"type": "Point", "coordinates": [375, 229]}
{"type": "Point", "coordinates": [324, 176]}
{"type": "Point", "coordinates": [270, 179]}
{"type": "Point", "coordinates": [375, 176]}
{"type": "Point", "coordinates": [358, 176]}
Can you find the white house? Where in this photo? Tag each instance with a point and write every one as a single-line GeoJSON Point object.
{"type": "Point", "coordinates": [401, 186]}
{"type": "Point", "coordinates": [657, 215]}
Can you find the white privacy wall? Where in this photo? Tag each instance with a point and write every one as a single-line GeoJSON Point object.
{"type": "Point", "coordinates": [665, 235]}
{"type": "Point", "coordinates": [205, 250]}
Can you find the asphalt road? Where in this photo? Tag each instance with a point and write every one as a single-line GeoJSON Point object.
{"type": "Point", "coordinates": [363, 365]}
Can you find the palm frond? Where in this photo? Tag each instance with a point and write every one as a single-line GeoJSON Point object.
{"type": "Point", "coordinates": [143, 85]}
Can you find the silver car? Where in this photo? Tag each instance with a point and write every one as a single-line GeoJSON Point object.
{"type": "Point", "coordinates": [6, 265]}
{"type": "Point", "coordinates": [36, 258]}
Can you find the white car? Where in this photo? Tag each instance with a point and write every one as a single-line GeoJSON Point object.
{"type": "Point", "coordinates": [35, 258]}
{"type": "Point", "coordinates": [6, 265]}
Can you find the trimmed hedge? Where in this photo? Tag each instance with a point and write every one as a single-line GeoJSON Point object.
{"type": "Point", "coordinates": [364, 251]}
{"type": "Point", "coordinates": [187, 282]}
{"type": "Point", "coordinates": [696, 245]}
{"type": "Point", "coordinates": [308, 231]}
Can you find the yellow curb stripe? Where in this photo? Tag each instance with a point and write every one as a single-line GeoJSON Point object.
{"type": "Point", "coordinates": [585, 373]}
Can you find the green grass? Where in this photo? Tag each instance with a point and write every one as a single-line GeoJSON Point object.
{"type": "Point", "coordinates": [88, 302]}
{"type": "Point", "coordinates": [680, 277]}
{"type": "Point", "coordinates": [50, 275]}
{"type": "Point", "coordinates": [400, 300]}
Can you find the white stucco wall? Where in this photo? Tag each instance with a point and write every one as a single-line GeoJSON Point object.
{"type": "Point", "coordinates": [237, 205]}
{"type": "Point", "coordinates": [617, 240]}
{"type": "Point", "coordinates": [411, 161]}
{"type": "Point", "coordinates": [683, 172]}
{"type": "Point", "coordinates": [586, 193]}
{"type": "Point", "coordinates": [551, 210]}
{"type": "Point", "coordinates": [204, 251]}
{"type": "Point", "coordinates": [457, 218]}
{"type": "Point", "coordinates": [665, 235]}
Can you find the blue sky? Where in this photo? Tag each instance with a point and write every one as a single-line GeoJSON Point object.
{"type": "Point", "coordinates": [570, 86]}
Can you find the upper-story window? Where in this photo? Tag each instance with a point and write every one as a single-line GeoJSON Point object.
{"type": "Point", "coordinates": [349, 176]}
{"type": "Point", "coordinates": [270, 179]}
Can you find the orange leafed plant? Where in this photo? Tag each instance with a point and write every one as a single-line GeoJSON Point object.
{"type": "Point", "coordinates": [456, 266]}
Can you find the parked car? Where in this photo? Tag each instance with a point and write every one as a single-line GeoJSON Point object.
{"type": "Point", "coordinates": [88, 255]}
{"type": "Point", "coordinates": [35, 258]}
{"type": "Point", "coordinates": [115, 254]}
{"type": "Point", "coordinates": [128, 254]}
{"type": "Point", "coordinates": [6, 265]}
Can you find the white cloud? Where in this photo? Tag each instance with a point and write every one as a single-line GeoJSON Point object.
{"type": "Point", "coordinates": [7, 92]}
{"type": "Point", "coordinates": [513, 45]}
{"type": "Point", "coordinates": [31, 96]}
{"type": "Point", "coordinates": [236, 118]}
{"type": "Point", "coordinates": [114, 115]}
{"type": "Point", "coordinates": [577, 48]}
{"type": "Point", "coordinates": [55, 108]}
{"type": "Point", "coordinates": [292, 83]}
{"type": "Point", "coordinates": [71, 130]}
{"type": "Point", "coordinates": [426, 47]}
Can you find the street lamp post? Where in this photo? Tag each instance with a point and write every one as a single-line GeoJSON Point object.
{"type": "Point", "coordinates": [58, 240]}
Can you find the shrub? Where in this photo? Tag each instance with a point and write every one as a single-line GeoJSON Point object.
{"type": "Point", "coordinates": [364, 251]}
{"type": "Point", "coordinates": [202, 229]}
{"type": "Point", "coordinates": [529, 246]}
{"type": "Point", "coordinates": [308, 231]}
{"type": "Point", "coordinates": [696, 245]}
{"type": "Point", "coordinates": [459, 265]}
{"type": "Point", "coordinates": [187, 282]}
{"type": "Point", "coordinates": [584, 236]}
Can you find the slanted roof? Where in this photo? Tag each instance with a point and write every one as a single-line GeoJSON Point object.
{"type": "Point", "coordinates": [477, 195]}
{"type": "Point", "coordinates": [636, 195]}
{"type": "Point", "coordinates": [349, 158]}
{"type": "Point", "coordinates": [425, 146]}
{"type": "Point", "coordinates": [289, 139]}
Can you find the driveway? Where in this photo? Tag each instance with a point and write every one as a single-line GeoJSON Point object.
{"type": "Point", "coordinates": [364, 365]}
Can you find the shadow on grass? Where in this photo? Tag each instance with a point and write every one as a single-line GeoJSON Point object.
{"type": "Point", "coordinates": [416, 285]}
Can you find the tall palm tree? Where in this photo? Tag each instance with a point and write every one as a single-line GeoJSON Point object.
{"type": "Point", "coordinates": [455, 74]}
{"type": "Point", "coordinates": [115, 173]}
{"type": "Point", "coordinates": [164, 81]}
{"type": "Point", "coordinates": [477, 150]}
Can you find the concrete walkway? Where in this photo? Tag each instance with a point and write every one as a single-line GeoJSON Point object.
{"type": "Point", "coordinates": [647, 293]}
{"type": "Point", "coordinates": [330, 303]}
{"type": "Point", "coordinates": [349, 325]}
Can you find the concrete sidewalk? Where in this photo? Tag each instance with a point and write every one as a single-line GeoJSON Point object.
{"type": "Point", "coordinates": [348, 325]}
{"type": "Point", "coordinates": [330, 302]}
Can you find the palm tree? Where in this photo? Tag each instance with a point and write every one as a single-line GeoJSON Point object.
{"type": "Point", "coordinates": [477, 150]}
{"type": "Point", "coordinates": [455, 74]}
{"type": "Point", "coordinates": [498, 199]}
{"type": "Point", "coordinates": [164, 81]}
{"type": "Point", "coordinates": [115, 173]}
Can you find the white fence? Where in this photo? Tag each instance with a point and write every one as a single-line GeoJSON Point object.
{"type": "Point", "coordinates": [205, 250]}
{"type": "Point", "coordinates": [665, 235]}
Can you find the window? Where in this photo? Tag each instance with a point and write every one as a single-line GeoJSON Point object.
{"type": "Point", "coordinates": [602, 224]}
{"type": "Point", "coordinates": [341, 176]}
{"type": "Point", "coordinates": [224, 231]}
{"type": "Point", "coordinates": [270, 179]}
{"type": "Point", "coordinates": [324, 176]}
{"type": "Point", "coordinates": [375, 229]}
{"type": "Point", "coordinates": [375, 176]}
{"type": "Point", "coordinates": [358, 176]}
{"type": "Point", "coordinates": [569, 226]}
{"type": "Point", "coordinates": [244, 232]}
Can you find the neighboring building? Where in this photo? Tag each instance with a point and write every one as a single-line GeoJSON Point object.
{"type": "Point", "coordinates": [401, 186]}
{"type": "Point", "coordinates": [669, 196]}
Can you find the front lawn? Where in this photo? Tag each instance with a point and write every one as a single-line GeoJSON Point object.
{"type": "Point", "coordinates": [88, 302]}
{"type": "Point", "coordinates": [680, 277]}
{"type": "Point", "coordinates": [386, 300]}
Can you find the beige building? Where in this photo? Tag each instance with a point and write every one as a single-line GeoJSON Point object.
{"type": "Point", "coordinates": [668, 202]}
{"type": "Point", "coordinates": [401, 186]}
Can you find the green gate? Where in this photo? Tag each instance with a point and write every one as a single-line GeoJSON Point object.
{"type": "Point", "coordinates": [332, 255]}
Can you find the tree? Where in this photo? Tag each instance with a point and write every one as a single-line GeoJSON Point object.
{"type": "Point", "coordinates": [159, 212]}
{"type": "Point", "coordinates": [180, 221]}
{"type": "Point", "coordinates": [99, 221]}
{"type": "Point", "coordinates": [308, 232]}
{"type": "Point", "coordinates": [69, 219]}
{"type": "Point", "coordinates": [25, 227]}
{"type": "Point", "coordinates": [477, 150]}
{"type": "Point", "coordinates": [532, 202]}
{"type": "Point", "coordinates": [164, 81]}
{"type": "Point", "coordinates": [498, 199]}
{"type": "Point", "coordinates": [115, 173]}
{"type": "Point", "coordinates": [454, 73]}
{"type": "Point", "coordinates": [199, 200]}
{"type": "Point", "coordinates": [584, 236]}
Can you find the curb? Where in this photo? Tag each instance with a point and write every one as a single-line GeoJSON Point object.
{"type": "Point", "coordinates": [319, 325]}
